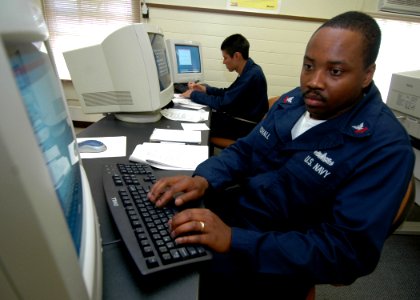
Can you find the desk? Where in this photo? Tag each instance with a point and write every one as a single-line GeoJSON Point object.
{"type": "Point", "coordinates": [120, 279]}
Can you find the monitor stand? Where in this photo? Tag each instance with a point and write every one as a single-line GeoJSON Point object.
{"type": "Point", "coordinates": [140, 117]}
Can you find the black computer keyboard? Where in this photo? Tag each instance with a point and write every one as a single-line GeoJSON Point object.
{"type": "Point", "coordinates": [180, 87]}
{"type": "Point", "coordinates": [143, 226]}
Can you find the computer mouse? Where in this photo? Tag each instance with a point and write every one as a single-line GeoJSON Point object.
{"type": "Point", "coordinates": [91, 146]}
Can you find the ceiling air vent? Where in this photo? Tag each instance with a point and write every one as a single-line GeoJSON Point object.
{"type": "Point", "coordinates": [410, 7]}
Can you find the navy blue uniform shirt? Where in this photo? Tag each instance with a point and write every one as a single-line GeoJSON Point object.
{"type": "Point", "coordinates": [245, 98]}
{"type": "Point", "coordinates": [318, 207]}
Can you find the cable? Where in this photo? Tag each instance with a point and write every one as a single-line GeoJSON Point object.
{"type": "Point", "coordinates": [144, 10]}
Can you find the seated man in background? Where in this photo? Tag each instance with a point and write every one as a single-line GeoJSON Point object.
{"type": "Point", "coordinates": [320, 179]}
{"type": "Point", "coordinates": [244, 103]}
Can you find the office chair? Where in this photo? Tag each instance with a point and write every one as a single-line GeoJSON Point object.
{"type": "Point", "coordinates": [222, 143]}
{"type": "Point", "coordinates": [405, 207]}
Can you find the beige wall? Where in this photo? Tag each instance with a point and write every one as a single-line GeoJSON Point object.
{"type": "Point", "coordinates": [277, 44]}
{"type": "Point", "coordinates": [303, 8]}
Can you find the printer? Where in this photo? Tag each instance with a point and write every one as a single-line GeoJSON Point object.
{"type": "Point", "coordinates": [404, 100]}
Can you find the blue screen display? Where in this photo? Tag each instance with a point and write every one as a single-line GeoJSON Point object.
{"type": "Point", "coordinates": [42, 96]}
{"type": "Point", "coordinates": [188, 59]}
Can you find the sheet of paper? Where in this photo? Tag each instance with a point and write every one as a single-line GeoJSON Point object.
{"type": "Point", "coordinates": [187, 103]}
{"type": "Point", "coordinates": [176, 135]}
{"type": "Point", "coordinates": [195, 126]}
{"type": "Point", "coordinates": [170, 156]}
{"type": "Point", "coordinates": [186, 115]}
{"type": "Point", "coordinates": [115, 147]}
{"type": "Point", "coordinates": [191, 106]}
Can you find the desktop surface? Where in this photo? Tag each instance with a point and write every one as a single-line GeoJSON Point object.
{"type": "Point", "coordinates": [121, 280]}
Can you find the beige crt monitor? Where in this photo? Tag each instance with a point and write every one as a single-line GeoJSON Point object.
{"type": "Point", "coordinates": [50, 238]}
{"type": "Point", "coordinates": [186, 60]}
{"type": "Point", "coordinates": [127, 74]}
{"type": "Point", "coordinates": [404, 100]}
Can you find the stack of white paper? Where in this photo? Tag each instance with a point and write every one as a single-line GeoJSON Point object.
{"type": "Point", "coordinates": [176, 135]}
{"type": "Point", "coordinates": [170, 156]}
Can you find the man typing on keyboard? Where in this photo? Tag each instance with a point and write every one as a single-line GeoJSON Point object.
{"type": "Point", "coordinates": [309, 196]}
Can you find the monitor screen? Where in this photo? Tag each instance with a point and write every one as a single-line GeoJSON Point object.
{"type": "Point", "coordinates": [46, 111]}
{"type": "Point", "coordinates": [159, 52]}
{"type": "Point", "coordinates": [132, 81]}
{"type": "Point", "coordinates": [186, 60]}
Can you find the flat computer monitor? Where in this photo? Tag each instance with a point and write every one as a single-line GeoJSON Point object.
{"type": "Point", "coordinates": [186, 60]}
{"type": "Point", "coordinates": [127, 74]}
{"type": "Point", "coordinates": [50, 238]}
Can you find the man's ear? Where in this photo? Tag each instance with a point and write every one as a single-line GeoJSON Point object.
{"type": "Point", "coordinates": [237, 55]}
{"type": "Point", "coordinates": [370, 71]}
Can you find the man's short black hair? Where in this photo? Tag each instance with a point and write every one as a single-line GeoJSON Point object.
{"type": "Point", "coordinates": [366, 25]}
{"type": "Point", "coordinates": [236, 43]}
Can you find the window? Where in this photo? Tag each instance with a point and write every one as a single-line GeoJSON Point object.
{"type": "Point", "coordinates": [400, 51]}
{"type": "Point", "coordinates": [77, 23]}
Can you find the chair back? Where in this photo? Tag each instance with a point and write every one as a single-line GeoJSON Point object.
{"type": "Point", "coordinates": [405, 206]}
{"type": "Point", "coordinates": [221, 142]}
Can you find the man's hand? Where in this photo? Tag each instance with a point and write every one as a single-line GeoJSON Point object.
{"type": "Point", "coordinates": [192, 86]}
{"type": "Point", "coordinates": [167, 188]}
{"type": "Point", "coordinates": [187, 94]}
{"type": "Point", "coordinates": [201, 226]}
{"type": "Point", "coordinates": [197, 87]}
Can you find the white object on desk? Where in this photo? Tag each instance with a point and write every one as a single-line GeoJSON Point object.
{"type": "Point", "coordinates": [115, 147]}
{"type": "Point", "coordinates": [195, 126]}
{"type": "Point", "coordinates": [187, 103]}
{"type": "Point", "coordinates": [176, 135]}
{"type": "Point", "coordinates": [187, 115]}
{"type": "Point", "coordinates": [170, 156]}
